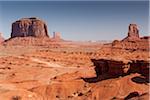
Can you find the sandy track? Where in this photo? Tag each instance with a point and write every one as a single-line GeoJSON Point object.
{"type": "Point", "coordinates": [54, 65]}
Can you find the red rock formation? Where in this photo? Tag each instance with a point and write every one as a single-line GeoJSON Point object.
{"type": "Point", "coordinates": [112, 67]}
{"type": "Point", "coordinates": [133, 33]}
{"type": "Point", "coordinates": [132, 41]}
{"type": "Point", "coordinates": [117, 68]}
{"type": "Point", "coordinates": [77, 89]}
{"type": "Point", "coordinates": [31, 41]}
{"type": "Point", "coordinates": [141, 67]}
{"type": "Point", "coordinates": [57, 36]}
{"type": "Point", "coordinates": [29, 27]}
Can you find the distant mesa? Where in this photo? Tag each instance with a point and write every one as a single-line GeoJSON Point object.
{"type": "Point", "coordinates": [29, 27]}
{"type": "Point", "coordinates": [57, 36]}
{"type": "Point", "coordinates": [133, 33]}
{"type": "Point", "coordinates": [32, 31]}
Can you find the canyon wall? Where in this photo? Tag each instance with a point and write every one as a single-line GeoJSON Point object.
{"type": "Point", "coordinates": [120, 68]}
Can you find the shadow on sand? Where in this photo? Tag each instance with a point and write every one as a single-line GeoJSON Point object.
{"type": "Point", "coordinates": [140, 80]}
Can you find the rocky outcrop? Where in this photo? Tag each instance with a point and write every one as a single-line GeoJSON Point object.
{"type": "Point", "coordinates": [118, 68]}
{"type": "Point", "coordinates": [133, 33]}
{"type": "Point", "coordinates": [116, 89]}
{"type": "Point", "coordinates": [142, 45]}
{"type": "Point", "coordinates": [112, 67]}
{"type": "Point", "coordinates": [133, 41]}
{"type": "Point", "coordinates": [112, 89]}
{"type": "Point", "coordinates": [140, 66]}
{"type": "Point", "coordinates": [29, 27]}
{"type": "Point", "coordinates": [31, 41]}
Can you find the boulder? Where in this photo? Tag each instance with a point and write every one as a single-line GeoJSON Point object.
{"type": "Point", "coordinates": [29, 27]}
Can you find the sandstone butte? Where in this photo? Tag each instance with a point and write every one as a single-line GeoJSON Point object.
{"type": "Point", "coordinates": [133, 33]}
{"type": "Point", "coordinates": [114, 71]}
{"type": "Point", "coordinates": [32, 31]}
{"type": "Point", "coordinates": [29, 27]}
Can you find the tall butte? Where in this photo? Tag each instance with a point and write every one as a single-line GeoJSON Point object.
{"type": "Point", "coordinates": [29, 27]}
{"type": "Point", "coordinates": [133, 33]}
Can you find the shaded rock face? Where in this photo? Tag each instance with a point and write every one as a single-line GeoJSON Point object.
{"type": "Point", "coordinates": [117, 68]}
{"type": "Point", "coordinates": [104, 66]}
{"type": "Point", "coordinates": [140, 66]}
{"type": "Point", "coordinates": [133, 33]}
{"type": "Point", "coordinates": [29, 27]}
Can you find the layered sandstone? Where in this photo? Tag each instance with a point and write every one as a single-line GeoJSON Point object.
{"type": "Point", "coordinates": [29, 27]}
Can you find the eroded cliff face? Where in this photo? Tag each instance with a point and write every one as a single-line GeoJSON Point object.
{"type": "Point", "coordinates": [140, 66]}
{"type": "Point", "coordinates": [29, 27]}
{"type": "Point", "coordinates": [120, 68]}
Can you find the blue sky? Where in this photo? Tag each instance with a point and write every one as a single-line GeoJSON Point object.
{"type": "Point", "coordinates": [79, 20]}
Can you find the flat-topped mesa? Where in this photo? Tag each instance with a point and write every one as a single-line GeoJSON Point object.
{"type": "Point", "coordinates": [57, 37]}
{"type": "Point", "coordinates": [29, 27]}
{"type": "Point", "coordinates": [133, 33]}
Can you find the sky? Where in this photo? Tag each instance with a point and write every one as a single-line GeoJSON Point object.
{"type": "Point", "coordinates": [79, 20]}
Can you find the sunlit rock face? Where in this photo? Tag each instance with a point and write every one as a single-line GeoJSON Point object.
{"type": "Point", "coordinates": [29, 27]}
